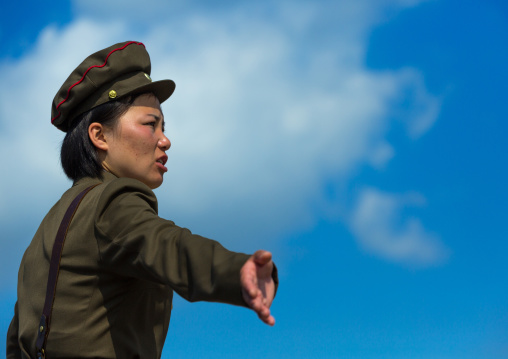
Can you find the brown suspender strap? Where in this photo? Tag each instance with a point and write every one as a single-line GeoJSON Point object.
{"type": "Point", "coordinates": [54, 268]}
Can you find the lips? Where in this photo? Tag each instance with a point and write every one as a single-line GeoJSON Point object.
{"type": "Point", "coordinates": [161, 161]}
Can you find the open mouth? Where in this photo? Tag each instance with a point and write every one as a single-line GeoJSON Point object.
{"type": "Point", "coordinates": [162, 160]}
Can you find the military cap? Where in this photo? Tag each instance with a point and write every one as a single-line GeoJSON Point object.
{"type": "Point", "coordinates": [107, 75]}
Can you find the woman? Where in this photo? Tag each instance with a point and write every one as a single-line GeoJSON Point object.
{"type": "Point", "coordinates": [121, 261]}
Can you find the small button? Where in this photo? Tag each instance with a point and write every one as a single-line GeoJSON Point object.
{"type": "Point", "coordinates": [112, 94]}
{"type": "Point", "coordinates": [41, 329]}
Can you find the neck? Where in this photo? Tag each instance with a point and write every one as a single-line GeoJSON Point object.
{"type": "Point", "coordinates": [106, 168]}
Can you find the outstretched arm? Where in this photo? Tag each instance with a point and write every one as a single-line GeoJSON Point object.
{"type": "Point", "coordinates": [258, 287]}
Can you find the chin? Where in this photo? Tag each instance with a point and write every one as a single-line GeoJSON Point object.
{"type": "Point", "coordinates": [155, 183]}
{"type": "Point", "coordinates": [155, 186]}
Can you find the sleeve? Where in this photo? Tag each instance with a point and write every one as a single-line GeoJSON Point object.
{"type": "Point", "coordinates": [13, 349]}
{"type": "Point", "coordinates": [134, 241]}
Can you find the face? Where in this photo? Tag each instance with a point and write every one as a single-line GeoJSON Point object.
{"type": "Point", "coordinates": [136, 147]}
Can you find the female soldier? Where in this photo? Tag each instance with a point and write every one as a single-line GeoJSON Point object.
{"type": "Point", "coordinates": [121, 262]}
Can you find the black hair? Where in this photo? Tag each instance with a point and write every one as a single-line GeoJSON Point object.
{"type": "Point", "coordinates": [78, 154]}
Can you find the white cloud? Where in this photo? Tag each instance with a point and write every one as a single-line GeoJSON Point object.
{"type": "Point", "coordinates": [265, 107]}
{"type": "Point", "coordinates": [414, 106]}
{"type": "Point", "coordinates": [381, 228]}
{"type": "Point", "coordinates": [28, 142]}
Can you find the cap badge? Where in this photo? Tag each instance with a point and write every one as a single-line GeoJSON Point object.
{"type": "Point", "coordinates": [148, 77]}
{"type": "Point", "coordinates": [112, 94]}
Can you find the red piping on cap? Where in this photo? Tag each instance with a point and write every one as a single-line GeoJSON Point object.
{"type": "Point", "coordinates": [91, 67]}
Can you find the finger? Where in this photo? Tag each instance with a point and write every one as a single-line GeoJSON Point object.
{"type": "Point", "coordinates": [267, 318]}
{"type": "Point", "coordinates": [257, 304]}
{"type": "Point", "coordinates": [261, 257]}
{"type": "Point", "coordinates": [271, 321]}
{"type": "Point", "coordinates": [249, 282]}
{"type": "Point", "coordinates": [254, 301]}
{"type": "Point", "coordinates": [250, 288]}
{"type": "Point", "coordinates": [263, 311]}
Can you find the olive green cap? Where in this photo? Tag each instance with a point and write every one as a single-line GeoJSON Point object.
{"type": "Point", "coordinates": [107, 75]}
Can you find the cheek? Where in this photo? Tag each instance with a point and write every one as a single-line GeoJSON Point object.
{"type": "Point", "coordinates": [139, 146]}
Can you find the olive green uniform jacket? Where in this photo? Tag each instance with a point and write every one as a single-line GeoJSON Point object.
{"type": "Point", "coordinates": [119, 267]}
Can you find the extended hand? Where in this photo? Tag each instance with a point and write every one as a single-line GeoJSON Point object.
{"type": "Point", "coordinates": [258, 288]}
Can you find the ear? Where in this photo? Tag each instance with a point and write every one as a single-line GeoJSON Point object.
{"type": "Point", "coordinates": [97, 135]}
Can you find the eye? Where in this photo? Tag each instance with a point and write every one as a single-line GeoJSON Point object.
{"type": "Point", "coordinates": [151, 124]}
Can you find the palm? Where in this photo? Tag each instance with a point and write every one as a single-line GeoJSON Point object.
{"type": "Point", "coordinates": [258, 288]}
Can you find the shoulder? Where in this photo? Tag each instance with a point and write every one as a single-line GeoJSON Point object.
{"type": "Point", "coordinates": [114, 190]}
{"type": "Point", "coordinates": [125, 192]}
{"type": "Point", "coordinates": [122, 207]}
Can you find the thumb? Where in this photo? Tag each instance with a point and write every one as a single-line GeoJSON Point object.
{"type": "Point", "coordinates": [262, 257]}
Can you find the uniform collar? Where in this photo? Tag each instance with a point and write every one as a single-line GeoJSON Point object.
{"type": "Point", "coordinates": [106, 177]}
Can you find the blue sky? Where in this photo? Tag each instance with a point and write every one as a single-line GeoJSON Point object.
{"type": "Point", "coordinates": [362, 142]}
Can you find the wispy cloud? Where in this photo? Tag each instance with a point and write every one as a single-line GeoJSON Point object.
{"type": "Point", "coordinates": [381, 227]}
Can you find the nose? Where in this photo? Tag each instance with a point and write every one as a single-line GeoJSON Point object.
{"type": "Point", "coordinates": [164, 143]}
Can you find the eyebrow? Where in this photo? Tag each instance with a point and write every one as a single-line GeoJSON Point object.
{"type": "Point", "coordinates": [155, 116]}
